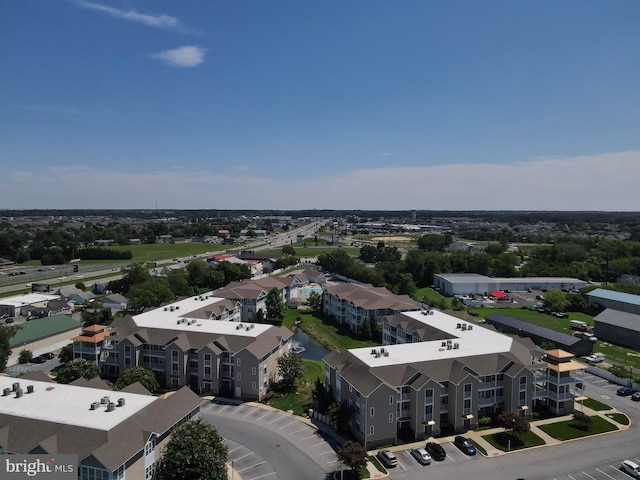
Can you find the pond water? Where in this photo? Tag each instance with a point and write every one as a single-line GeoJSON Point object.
{"type": "Point", "coordinates": [312, 349]}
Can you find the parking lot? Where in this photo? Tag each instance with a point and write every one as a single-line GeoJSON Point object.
{"type": "Point", "coordinates": [602, 472]}
{"type": "Point", "coordinates": [283, 429]}
{"type": "Point", "coordinates": [407, 463]}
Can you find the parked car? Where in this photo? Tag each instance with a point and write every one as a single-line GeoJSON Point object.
{"type": "Point", "coordinates": [631, 467]}
{"type": "Point", "coordinates": [421, 455]}
{"type": "Point", "coordinates": [38, 359]}
{"type": "Point", "coordinates": [436, 451]}
{"type": "Point", "coordinates": [636, 397]}
{"type": "Point", "coordinates": [464, 445]}
{"type": "Point", "coordinates": [595, 358]}
{"type": "Point", "coordinates": [10, 320]}
{"type": "Point", "coordinates": [49, 355]}
{"type": "Point", "coordinates": [624, 391]}
{"type": "Point", "coordinates": [387, 458]}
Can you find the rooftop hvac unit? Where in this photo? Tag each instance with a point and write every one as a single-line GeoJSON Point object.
{"type": "Point", "coordinates": [456, 346]}
{"type": "Point", "coordinates": [373, 351]}
{"type": "Point", "coordinates": [104, 400]}
{"type": "Point", "coordinates": [377, 354]}
{"type": "Point", "coordinates": [238, 327]}
{"type": "Point", "coordinates": [15, 386]}
{"type": "Point", "coordinates": [449, 346]}
{"type": "Point", "coordinates": [19, 393]}
{"type": "Point", "coordinates": [458, 325]}
{"type": "Point", "coordinates": [177, 307]}
{"type": "Point", "coordinates": [94, 406]}
{"type": "Point", "coordinates": [247, 328]}
{"type": "Point", "coordinates": [470, 327]}
{"type": "Point", "coordinates": [430, 312]}
{"type": "Point", "coordinates": [111, 407]}
{"type": "Point", "coordinates": [381, 349]}
{"type": "Point", "coordinates": [179, 322]}
{"type": "Point", "coordinates": [29, 388]}
{"type": "Point", "coordinates": [172, 308]}
{"type": "Point", "coordinates": [6, 392]}
{"type": "Point", "coordinates": [444, 344]}
{"type": "Point", "coordinates": [448, 342]}
{"type": "Point", "coordinates": [121, 402]}
{"type": "Point", "coordinates": [166, 308]}
{"type": "Point", "coordinates": [464, 327]}
{"type": "Point", "coordinates": [386, 353]}
{"type": "Point", "coordinates": [252, 325]}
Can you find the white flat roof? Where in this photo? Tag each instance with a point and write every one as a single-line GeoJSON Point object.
{"type": "Point", "coordinates": [69, 404]}
{"type": "Point", "coordinates": [477, 341]}
{"type": "Point", "coordinates": [167, 317]}
{"type": "Point", "coordinates": [28, 299]}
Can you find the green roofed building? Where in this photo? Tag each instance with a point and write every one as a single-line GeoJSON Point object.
{"type": "Point", "coordinates": [44, 335]}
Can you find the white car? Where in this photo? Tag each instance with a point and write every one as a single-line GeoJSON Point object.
{"type": "Point", "coordinates": [421, 455]}
{"type": "Point", "coordinates": [595, 358]}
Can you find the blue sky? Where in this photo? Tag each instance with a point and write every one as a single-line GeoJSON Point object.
{"type": "Point", "coordinates": [461, 105]}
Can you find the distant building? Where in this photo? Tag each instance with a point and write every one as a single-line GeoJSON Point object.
{"type": "Point", "coordinates": [465, 283]}
{"type": "Point", "coordinates": [353, 304]}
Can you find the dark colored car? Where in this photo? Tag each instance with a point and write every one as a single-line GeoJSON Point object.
{"type": "Point", "coordinates": [624, 391]}
{"type": "Point", "coordinates": [38, 359]}
{"type": "Point", "coordinates": [636, 397]}
{"type": "Point", "coordinates": [436, 451]}
{"type": "Point", "coordinates": [465, 445]}
{"type": "Point", "coordinates": [49, 355]}
{"type": "Point", "coordinates": [9, 320]}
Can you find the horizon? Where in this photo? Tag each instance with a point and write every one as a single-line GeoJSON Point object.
{"type": "Point", "coordinates": [376, 106]}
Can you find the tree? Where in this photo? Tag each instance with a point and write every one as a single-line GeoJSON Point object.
{"type": "Point", "coordinates": [583, 420]}
{"type": "Point", "coordinates": [66, 353]}
{"type": "Point", "coordinates": [353, 455]}
{"type": "Point", "coordinates": [340, 414]}
{"type": "Point", "coordinates": [290, 369]}
{"type": "Point", "coordinates": [556, 301]}
{"type": "Point", "coordinates": [143, 375]}
{"type": "Point", "coordinates": [323, 397]}
{"type": "Point", "coordinates": [6, 333]}
{"type": "Point", "coordinates": [25, 356]}
{"type": "Point", "coordinates": [195, 451]}
{"type": "Point", "coordinates": [275, 306]}
{"type": "Point", "coordinates": [513, 422]}
{"type": "Point", "coordinates": [314, 300]}
{"type": "Point", "coordinates": [288, 250]}
{"type": "Point", "coordinates": [75, 369]}
{"type": "Point", "coordinates": [365, 330]}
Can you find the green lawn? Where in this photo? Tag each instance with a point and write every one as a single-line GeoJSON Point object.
{"type": "Point", "coordinates": [595, 405]}
{"type": "Point", "coordinates": [572, 429]}
{"type": "Point", "coordinates": [507, 441]}
{"type": "Point", "coordinates": [300, 400]}
{"type": "Point", "coordinates": [324, 331]}
{"type": "Point", "coordinates": [166, 251]}
{"type": "Point", "coordinates": [621, 418]}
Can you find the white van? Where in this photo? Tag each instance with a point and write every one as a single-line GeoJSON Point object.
{"type": "Point", "coordinates": [631, 467]}
{"type": "Point", "coordinates": [388, 458]}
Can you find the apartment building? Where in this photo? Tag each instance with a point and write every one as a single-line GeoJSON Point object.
{"type": "Point", "coordinates": [198, 342]}
{"type": "Point", "coordinates": [116, 435]}
{"type": "Point", "coordinates": [438, 374]}
{"type": "Point", "coordinates": [353, 303]}
{"type": "Point", "coordinates": [252, 294]}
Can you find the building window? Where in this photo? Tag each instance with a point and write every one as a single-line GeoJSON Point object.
{"type": "Point", "coordinates": [149, 472]}
{"type": "Point", "coordinates": [391, 418]}
{"type": "Point", "coordinates": [238, 362]}
{"type": "Point", "coordinates": [428, 395]}
{"type": "Point", "coordinates": [523, 381]}
{"type": "Point", "coordinates": [238, 376]}
{"type": "Point", "coordinates": [390, 399]}
{"type": "Point", "coordinates": [371, 430]}
{"type": "Point", "coordinates": [253, 385]}
{"type": "Point", "coordinates": [467, 388]}
{"type": "Point", "coordinates": [253, 370]}
{"type": "Point", "coordinates": [372, 412]}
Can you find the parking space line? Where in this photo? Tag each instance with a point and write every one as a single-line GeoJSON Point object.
{"type": "Point", "coordinates": [316, 444]}
{"type": "Point", "coordinates": [237, 448]}
{"type": "Point", "coordinates": [301, 430]}
{"type": "Point", "coordinates": [613, 478]}
{"type": "Point", "coordinates": [277, 418]}
{"type": "Point", "coordinates": [252, 466]}
{"type": "Point", "coordinates": [243, 456]}
{"type": "Point", "coordinates": [262, 416]}
{"type": "Point", "coordinates": [310, 436]}
{"type": "Point", "coordinates": [592, 478]}
{"type": "Point", "coordinates": [262, 476]}
{"type": "Point", "coordinates": [287, 424]}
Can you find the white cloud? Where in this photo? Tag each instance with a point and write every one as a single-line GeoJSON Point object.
{"type": "Point", "coordinates": [187, 56]}
{"type": "Point", "coordinates": [604, 182]}
{"type": "Point", "coordinates": [165, 22]}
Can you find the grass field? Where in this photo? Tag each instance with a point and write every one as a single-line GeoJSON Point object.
{"type": "Point", "coordinates": [507, 441]}
{"type": "Point", "coordinates": [573, 429]}
{"type": "Point", "coordinates": [300, 400]}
